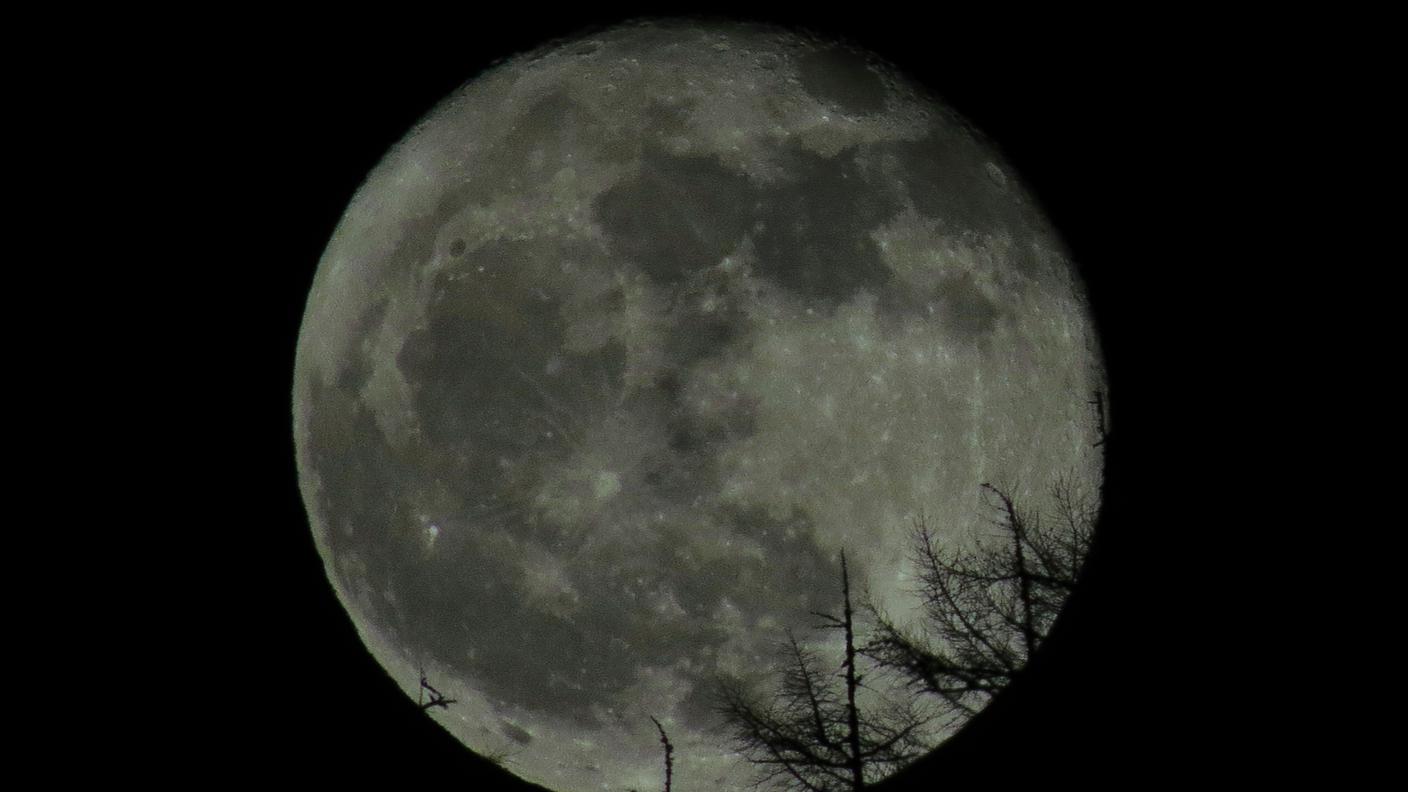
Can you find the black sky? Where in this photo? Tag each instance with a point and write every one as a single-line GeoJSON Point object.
{"type": "Point", "coordinates": [1097, 124]}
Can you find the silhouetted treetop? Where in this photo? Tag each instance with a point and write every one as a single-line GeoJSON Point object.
{"type": "Point", "coordinates": [812, 733]}
{"type": "Point", "coordinates": [987, 608]}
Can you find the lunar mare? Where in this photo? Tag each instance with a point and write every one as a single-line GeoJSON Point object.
{"type": "Point", "coordinates": [615, 352]}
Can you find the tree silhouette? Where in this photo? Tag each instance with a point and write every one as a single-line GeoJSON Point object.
{"type": "Point", "coordinates": [669, 754]}
{"type": "Point", "coordinates": [812, 734]}
{"type": "Point", "coordinates": [437, 699]}
{"type": "Point", "coordinates": [988, 609]}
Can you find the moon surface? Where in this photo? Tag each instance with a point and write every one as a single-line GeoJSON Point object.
{"type": "Point", "coordinates": [612, 356]}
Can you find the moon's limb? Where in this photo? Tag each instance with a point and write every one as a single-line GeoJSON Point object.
{"type": "Point", "coordinates": [617, 350]}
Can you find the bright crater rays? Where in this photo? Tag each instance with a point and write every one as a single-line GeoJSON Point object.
{"type": "Point", "coordinates": [618, 349]}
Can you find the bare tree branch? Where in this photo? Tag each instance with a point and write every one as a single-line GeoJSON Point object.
{"type": "Point", "coordinates": [812, 733]}
{"type": "Point", "coordinates": [988, 609]}
{"type": "Point", "coordinates": [437, 699]}
{"type": "Point", "coordinates": [669, 754]}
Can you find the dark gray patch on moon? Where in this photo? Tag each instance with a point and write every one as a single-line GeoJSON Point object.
{"type": "Point", "coordinates": [461, 367]}
{"type": "Point", "coordinates": [515, 733]}
{"type": "Point", "coordinates": [491, 331]}
{"type": "Point", "coordinates": [509, 639]}
{"type": "Point", "coordinates": [946, 178]}
{"type": "Point", "coordinates": [366, 529]}
{"type": "Point", "coordinates": [964, 310]}
{"type": "Point", "coordinates": [816, 236]}
{"type": "Point", "coordinates": [693, 436]}
{"type": "Point", "coordinates": [678, 214]}
{"type": "Point", "coordinates": [542, 140]}
{"type": "Point", "coordinates": [464, 608]}
{"type": "Point", "coordinates": [357, 367]}
{"type": "Point", "coordinates": [812, 232]}
{"type": "Point", "coordinates": [956, 303]}
{"type": "Point", "coordinates": [699, 335]}
{"type": "Point", "coordinates": [685, 469]}
{"type": "Point", "coordinates": [666, 120]}
{"type": "Point", "coordinates": [706, 319]}
{"type": "Point", "coordinates": [843, 78]}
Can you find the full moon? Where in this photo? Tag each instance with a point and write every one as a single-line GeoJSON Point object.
{"type": "Point", "coordinates": [619, 349]}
